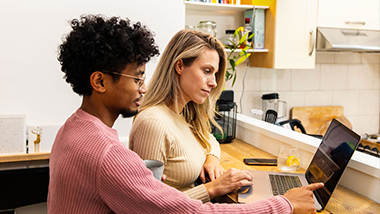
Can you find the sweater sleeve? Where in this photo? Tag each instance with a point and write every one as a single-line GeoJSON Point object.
{"type": "Point", "coordinates": [127, 186]}
{"type": "Point", "coordinates": [149, 139]}
{"type": "Point", "coordinates": [199, 193]}
{"type": "Point", "coordinates": [215, 148]}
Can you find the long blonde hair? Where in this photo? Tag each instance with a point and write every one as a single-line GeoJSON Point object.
{"type": "Point", "coordinates": [164, 86]}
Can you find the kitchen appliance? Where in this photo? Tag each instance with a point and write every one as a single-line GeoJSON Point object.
{"type": "Point", "coordinates": [348, 26]}
{"type": "Point", "coordinates": [226, 117]}
{"type": "Point", "coordinates": [290, 124]}
{"type": "Point", "coordinates": [356, 40]}
{"type": "Point", "coordinates": [271, 101]}
{"type": "Point", "coordinates": [271, 116]}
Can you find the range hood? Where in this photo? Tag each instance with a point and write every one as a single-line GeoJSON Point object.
{"type": "Point", "coordinates": [354, 40]}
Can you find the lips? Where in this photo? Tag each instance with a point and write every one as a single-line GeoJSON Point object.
{"type": "Point", "coordinates": [206, 91]}
{"type": "Point", "coordinates": [138, 101]}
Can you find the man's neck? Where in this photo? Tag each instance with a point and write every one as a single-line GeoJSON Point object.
{"type": "Point", "coordinates": [98, 110]}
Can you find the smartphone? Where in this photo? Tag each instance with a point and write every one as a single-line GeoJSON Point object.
{"type": "Point", "coordinates": [260, 161]}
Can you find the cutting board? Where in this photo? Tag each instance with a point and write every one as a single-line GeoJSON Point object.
{"type": "Point", "coordinates": [316, 119]}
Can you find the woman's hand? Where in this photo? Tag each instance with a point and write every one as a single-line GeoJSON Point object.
{"type": "Point", "coordinates": [228, 182]}
{"type": "Point", "coordinates": [211, 167]}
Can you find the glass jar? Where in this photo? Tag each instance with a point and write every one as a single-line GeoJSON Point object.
{"type": "Point", "coordinates": [207, 27]}
{"type": "Point", "coordinates": [229, 38]}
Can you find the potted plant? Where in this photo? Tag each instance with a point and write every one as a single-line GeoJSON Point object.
{"type": "Point", "coordinates": [234, 59]}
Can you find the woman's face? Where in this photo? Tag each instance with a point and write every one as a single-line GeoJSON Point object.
{"type": "Point", "coordinates": [197, 80]}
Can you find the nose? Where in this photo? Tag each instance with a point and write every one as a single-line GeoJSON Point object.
{"type": "Point", "coordinates": [143, 89]}
{"type": "Point", "coordinates": [212, 81]}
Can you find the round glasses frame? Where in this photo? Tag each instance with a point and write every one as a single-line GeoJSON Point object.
{"type": "Point", "coordinates": [140, 80]}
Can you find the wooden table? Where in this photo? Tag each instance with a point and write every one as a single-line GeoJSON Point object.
{"type": "Point", "coordinates": [341, 201]}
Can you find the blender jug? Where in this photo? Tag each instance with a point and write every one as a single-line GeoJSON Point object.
{"type": "Point", "coordinates": [271, 101]}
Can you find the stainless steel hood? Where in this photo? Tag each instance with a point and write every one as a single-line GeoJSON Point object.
{"type": "Point", "coordinates": [354, 40]}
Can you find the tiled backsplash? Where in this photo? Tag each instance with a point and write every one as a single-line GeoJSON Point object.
{"type": "Point", "coordinates": [351, 80]}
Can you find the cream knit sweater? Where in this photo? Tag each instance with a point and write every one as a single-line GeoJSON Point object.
{"type": "Point", "coordinates": [159, 133]}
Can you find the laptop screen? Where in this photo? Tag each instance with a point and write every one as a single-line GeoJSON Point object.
{"type": "Point", "coordinates": [331, 159]}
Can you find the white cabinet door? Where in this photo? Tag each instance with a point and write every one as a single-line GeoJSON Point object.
{"type": "Point", "coordinates": [363, 14]}
{"type": "Point", "coordinates": [295, 34]}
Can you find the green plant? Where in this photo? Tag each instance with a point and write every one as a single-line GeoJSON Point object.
{"type": "Point", "coordinates": [233, 59]}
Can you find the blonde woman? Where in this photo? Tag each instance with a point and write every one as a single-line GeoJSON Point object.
{"type": "Point", "coordinates": [173, 121]}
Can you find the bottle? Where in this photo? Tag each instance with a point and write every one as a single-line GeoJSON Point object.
{"type": "Point", "coordinates": [248, 31]}
{"type": "Point", "coordinates": [241, 32]}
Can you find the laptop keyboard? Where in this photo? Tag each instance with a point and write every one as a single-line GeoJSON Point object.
{"type": "Point", "coordinates": [282, 183]}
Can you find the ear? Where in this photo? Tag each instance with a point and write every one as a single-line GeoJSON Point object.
{"type": "Point", "coordinates": [179, 66]}
{"type": "Point", "coordinates": [97, 81]}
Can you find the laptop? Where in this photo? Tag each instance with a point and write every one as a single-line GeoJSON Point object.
{"type": "Point", "coordinates": [327, 166]}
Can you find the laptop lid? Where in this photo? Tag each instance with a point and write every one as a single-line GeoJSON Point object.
{"type": "Point", "coordinates": [331, 159]}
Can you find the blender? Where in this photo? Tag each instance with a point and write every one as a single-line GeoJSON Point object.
{"type": "Point", "coordinates": [271, 102]}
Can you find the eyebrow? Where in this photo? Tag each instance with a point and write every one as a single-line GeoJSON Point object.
{"type": "Point", "coordinates": [140, 72]}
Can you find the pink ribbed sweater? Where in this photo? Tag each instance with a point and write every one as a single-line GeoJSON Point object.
{"type": "Point", "coordinates": [92, 172]}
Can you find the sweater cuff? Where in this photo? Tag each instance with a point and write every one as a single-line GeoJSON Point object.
{"type": "Point", "coordinates": [290, 204]}
{"type": "Point", "coordinates": [198, 193]}
{"type": "Point", "coordinates": [214, 156]}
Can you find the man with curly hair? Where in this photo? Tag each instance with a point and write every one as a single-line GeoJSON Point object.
{"type": "Point", "coordinates": [91, 171]}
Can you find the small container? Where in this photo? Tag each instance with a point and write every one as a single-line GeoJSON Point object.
{"type": "Point", "coordinates": [229, 38]}
{"type": "Point", "coordinates": [248, 31]}
{"type": "Point", "coordinates": [190, 27]}
{"type": "Point", "coordinates": [207, 27]}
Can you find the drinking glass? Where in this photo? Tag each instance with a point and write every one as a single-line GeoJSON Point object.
{"type": "Point", "coordinates": [288, 158]}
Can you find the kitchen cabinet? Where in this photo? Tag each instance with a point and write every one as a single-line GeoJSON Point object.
{"type": "Point", "coordinates": [290, 29]}
{"type": "Point", "coordinates": [23, 183]}
{"type": "Point", "coordinates": [226, 16]}
{"type": "Point", "coordinates": [349, 14]}
{"type": "Point", "coordinates": [290, 33]}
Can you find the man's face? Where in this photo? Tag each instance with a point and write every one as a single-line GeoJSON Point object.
{"type": "Point", "coordinates": [126, 93]}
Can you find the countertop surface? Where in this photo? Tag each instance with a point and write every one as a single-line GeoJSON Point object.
{"type": "Point", "coordinates": [21, 165]}
{"type": "Point", "coordinates": [341, 201]}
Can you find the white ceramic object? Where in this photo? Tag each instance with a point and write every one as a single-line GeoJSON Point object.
{"type": "Point", "coordinates": [157, 167]}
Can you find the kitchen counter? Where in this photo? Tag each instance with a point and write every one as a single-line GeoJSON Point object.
{"type": "Point", "coordinates": [341, 201]}
{"type": "Point", "coordinates": [361, 176]}
{"type": "Point", "coordinates": [23, 183]}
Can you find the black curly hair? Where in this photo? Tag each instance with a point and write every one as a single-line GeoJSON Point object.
{"type": "Point", "coordinates": [99, 44]}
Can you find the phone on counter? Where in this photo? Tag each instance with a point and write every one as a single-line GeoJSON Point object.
{"type": "Point", "coordinates": [260, 161]}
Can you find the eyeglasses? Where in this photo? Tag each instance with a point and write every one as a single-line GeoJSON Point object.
{"type": "Point", "coordinates": [140, 80]}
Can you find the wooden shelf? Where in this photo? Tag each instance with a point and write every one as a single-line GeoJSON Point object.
{"type": "Point", "coordinates": [219, 7]}
{"type": "Point", "coordinates": [24, 157]}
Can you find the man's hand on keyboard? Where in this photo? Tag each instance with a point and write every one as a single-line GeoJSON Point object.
{"type": "Point", "coordinates": [302, 198]}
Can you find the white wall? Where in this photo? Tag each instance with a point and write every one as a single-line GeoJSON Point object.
{"type": "Point", "coordinates": [31, 82]}
{"type": "Point", "coordinates": [347, 79]}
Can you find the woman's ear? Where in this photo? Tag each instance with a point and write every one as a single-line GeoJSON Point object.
{"type": "Point", "coordinates": [97, 81]}
{"type": "Point", "coordinates": [179, 66]}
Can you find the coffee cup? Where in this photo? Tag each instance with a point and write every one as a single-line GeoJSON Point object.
{"type": "Point", "coordinates": [157, 167]}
